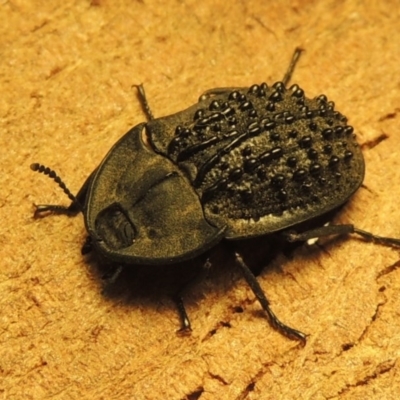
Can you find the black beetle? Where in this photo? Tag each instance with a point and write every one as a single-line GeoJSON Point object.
{"type": "Point", "coordinates": [240, 163]}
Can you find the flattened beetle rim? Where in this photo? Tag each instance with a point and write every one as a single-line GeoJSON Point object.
{"type": "Point", "coordinates": [115, 256]}
{"type": "Point", "coordinates": [94, 176]}
{"type": "Point", "coordinates": [118, 255]}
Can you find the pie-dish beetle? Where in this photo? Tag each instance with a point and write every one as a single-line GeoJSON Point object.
{"type": "Point", "coordinates": [240, 163]}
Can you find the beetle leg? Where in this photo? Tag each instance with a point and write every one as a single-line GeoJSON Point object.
{"type": "Point", "coordinates": [178, 297]}
{"type": "Point", "coordinates": [43, 208]}
{"type": "Point", "coordinates": [292, 65]}
{"type": "Point", "coordinates": [225, 90]}
{"type": "Point", "coordinates": [326, 230]}
{"type": "Point", "coordinates": [87, 246]}
{"type": "Point", "coordinates": [378, 239]}
{"type": "Point", "coordinates": [112, 274]}
{"type": "Point", "coordinates": [260, 295]}
{"type": "Point", "coordinates": [329, 230]}
{"type": "Point", "coordinates": [74, 208]}
{"type": "Point", "coordinates": [77, 201]}
{"type": "Point", "coordinates": [185, 322]}
{"type": "Point", "coordinates": [144, 103]}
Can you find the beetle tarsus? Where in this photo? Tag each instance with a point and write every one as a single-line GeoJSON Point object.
{"type": "Point", "coordinates": [41, 210]}
{"type": "Point", "coordinates": [387, 241]}
{"type": "Point", "coordinates": [260, 295]}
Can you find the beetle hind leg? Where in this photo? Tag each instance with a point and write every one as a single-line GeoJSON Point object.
{"type": "Point", "coordinates": [393, 242]}
{"type": "Point", "coordinates": [273, 320]}
{"type": "Point", "coordinates": [226, 90]}
{"type": "Point", "coordinates": [330, 230]}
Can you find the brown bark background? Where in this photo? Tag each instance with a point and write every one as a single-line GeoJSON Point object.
{"type": "Point", "coordinates": [66, 75]}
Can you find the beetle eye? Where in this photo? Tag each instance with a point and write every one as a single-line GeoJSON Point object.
{"type": "Point", "coordinates": [114, 228]}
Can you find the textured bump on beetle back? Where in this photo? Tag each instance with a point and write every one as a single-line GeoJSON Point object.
{"type": "Point", "coordinates": [265, 150]}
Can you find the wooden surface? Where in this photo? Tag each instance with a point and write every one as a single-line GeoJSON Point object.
{"type": "Point", "coordinates": [66, 75]}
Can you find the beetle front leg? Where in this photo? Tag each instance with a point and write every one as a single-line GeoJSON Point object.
{"type": "Point", "coordinates": [109, 277]}
{"type": "Point", "coordinates": [260, 295]}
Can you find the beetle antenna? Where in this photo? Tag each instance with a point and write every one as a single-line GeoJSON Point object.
{"type": "Point", "coordinates": [52, 174]}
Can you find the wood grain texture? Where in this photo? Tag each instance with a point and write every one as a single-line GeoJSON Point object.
{"type": "Point", "coordinates": [66, 75]}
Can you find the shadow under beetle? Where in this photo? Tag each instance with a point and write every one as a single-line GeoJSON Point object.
{"type": "Point", "coordinates": [240, 163]}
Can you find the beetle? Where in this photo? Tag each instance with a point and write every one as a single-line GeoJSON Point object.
{"type": "Point", "coordinates": [240, 163]}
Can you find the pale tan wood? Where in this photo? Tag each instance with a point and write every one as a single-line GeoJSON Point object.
{"type": "Point", "coordinates": [66, 75]}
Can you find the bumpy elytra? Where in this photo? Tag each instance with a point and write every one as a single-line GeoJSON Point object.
{"type": "Point", "coordinates": [263, 158]}
{"type": "Point", "coordinates": [241, 162]}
